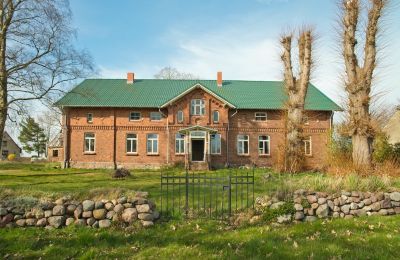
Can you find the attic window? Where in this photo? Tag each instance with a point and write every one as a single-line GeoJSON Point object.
{"type": "Point", "coordinates": [89, 118]}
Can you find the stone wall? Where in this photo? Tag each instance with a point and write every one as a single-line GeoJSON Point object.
{"type": "Point", "coordinates": [309, 206]}
{"type": "Point", "coordinates": [65, 212]}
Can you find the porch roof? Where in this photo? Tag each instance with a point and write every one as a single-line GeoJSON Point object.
{"type": "Point", "coordinates": [197, 128]}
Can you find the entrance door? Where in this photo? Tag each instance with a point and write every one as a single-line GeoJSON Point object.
{"type": "Point", "coordinates": [198, 150]}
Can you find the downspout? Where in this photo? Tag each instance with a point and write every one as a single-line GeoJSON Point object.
{"type": "Point", "coordinates": [227, 138]}
{"type": "Point", "coordinates": [115, 142]}
{"type": "Point", "coordinates": [66, 138]}
{"type": "Point", "coordinates": [159, 110]}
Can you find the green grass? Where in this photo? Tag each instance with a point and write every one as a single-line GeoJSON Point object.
{"type": "Point", "coordinates": [364, 238]}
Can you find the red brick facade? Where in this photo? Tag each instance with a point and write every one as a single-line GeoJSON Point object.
{"type": "Point", "coordinates": [111, 126]}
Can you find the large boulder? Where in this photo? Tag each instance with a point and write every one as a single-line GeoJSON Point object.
{"type": "Point", "coordinates": [99, 213]}
{"type": "Point", "coordinates": [395, 196]}
{"type": "Point", "coordinates": [59, 210]}
{"type": "Point", "coordinates": [322, 211]}
{"type": "Point", "coordinates": [88, 205]}
{"type": "Point", "coordinates": [21, 222]}
{"type": "Point", "coordinates": [129, 215]}
{"type": "Point", "coordinates": [104, 223]}
{"type": "Point", "coordinates": [56, 221]}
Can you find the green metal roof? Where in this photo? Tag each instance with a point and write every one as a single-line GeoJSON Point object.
{"type": "Point", "coordinates": [153, 93]}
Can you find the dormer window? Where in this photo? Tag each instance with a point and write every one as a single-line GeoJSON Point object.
{"type": "Point", "coordinates": [197, 107]}
{"type": "Point", "coordinates": [89, 118]}
{"type": "Point", "coordinates": [261, 116]}
{"type": "Point", "coordinates": [179, 116]}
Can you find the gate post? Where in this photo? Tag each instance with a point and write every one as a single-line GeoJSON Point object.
{"type": "Point", "coordinates": [230, 196]}
{"type": "Point", "coordinates": [187, 193]}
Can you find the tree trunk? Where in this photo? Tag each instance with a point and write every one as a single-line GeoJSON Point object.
{"type": "Point", "coordinates": [3, 86]}
{"type": "Point", "coordinates": [361, 150]}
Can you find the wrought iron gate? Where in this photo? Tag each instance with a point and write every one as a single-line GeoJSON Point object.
{"type": "Point", "coordinates": [206, 195]}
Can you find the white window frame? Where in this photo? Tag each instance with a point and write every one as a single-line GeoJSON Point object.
{"type": "Point", "coordinates": [89, 118]}
{"type": "Point", "coordinates": [258, 116]}
{"type": "Point", "coordinates": [90, 140]}
{"type": "Point", "coordinates": [130, 116]}
{"type": "Point", "coordinates": [218, 147]}
{"type": "Point", "coordinates": [197, 107]}
{"type": "Point", "coordinates": [215, 112]}
{"type": "Point", "coordinates": [305, 141]}
{"type": "Point", "coordinates": [155, 113]}
{"type": "Point", "coordinates": [179, 141]}
{"type": "Point", "coordinates": [241, 140]}
{"type": "Point", "coordinates": [264, 144]}
{"type": "Point", "coordinates": [150, 144]}
{"type": "Point", "coordinates": [180, 114]}
{"type": "Point", "coordinates": [130, 141]}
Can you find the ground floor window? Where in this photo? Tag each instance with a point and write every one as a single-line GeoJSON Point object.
{"type": "Point", "coordinates": [263, 145]}
{"type": "Point", "coordinates": [307, 146]}
{"type": "Point", "coordinates": [55, 153]}
{"type": "Point", "coordinates": [179, 144]}
{"type": "Point", "coordinates": [131, 143]}
{"type": "Point", "coordinates": [90, 142]}
{"type": "Point", "coordinates": [216, 144]}
{"type": "Point", "coordinates": [152, 143]}
{"type": "Point", "coordinates": [243, 144]}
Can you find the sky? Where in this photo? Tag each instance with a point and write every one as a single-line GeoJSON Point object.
{"type": "Point", "coordinates": [238, 37]}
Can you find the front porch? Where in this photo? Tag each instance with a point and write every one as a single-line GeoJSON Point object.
{"type": "Point", "coordinates": [197, 147]}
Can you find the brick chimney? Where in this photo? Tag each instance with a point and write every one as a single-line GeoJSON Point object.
{"type": "Point", "coordinates": [219, 79]}
{"type": "Point", "coordinates": [130, 78]}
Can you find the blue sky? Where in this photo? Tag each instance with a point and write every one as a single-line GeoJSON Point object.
{"type": "Point", "coordinates": [238, 37]}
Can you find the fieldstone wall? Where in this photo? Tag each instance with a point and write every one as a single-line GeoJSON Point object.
{"type": "Point", "coordinates": [96, 214]}
{"type": "Point", "coordinates": [309, 206]}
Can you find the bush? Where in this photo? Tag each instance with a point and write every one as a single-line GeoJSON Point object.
{"type": "Point", "coordinates": [121, 173]}
{"type": "Point", "coordinates": [382, 149]}
{"type": "Point", "coordinates": [271, 214]}
{"type": "Point", "coordinates": [11, 157]}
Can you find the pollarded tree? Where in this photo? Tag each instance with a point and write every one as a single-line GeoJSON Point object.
{"type": "Point", "coordinates": [359, 75]}
{"type": "Point", "coordinates": [296, 89]}
{"type": "Point", "coordinates": [37, 56]}
{"type": "Point", "coordinates": [32, 137]}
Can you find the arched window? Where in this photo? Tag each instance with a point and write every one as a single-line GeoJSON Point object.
{"type": "Point", "coordinates": [215, 116]}
{"type": "Point", "coordinates": [179, 116]}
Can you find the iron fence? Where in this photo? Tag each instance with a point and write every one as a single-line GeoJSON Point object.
{"type": "Point", "coordinates": [206, 195]}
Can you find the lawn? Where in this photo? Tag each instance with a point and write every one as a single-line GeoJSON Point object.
{"type": "Point", "coordinates": [363, 238]}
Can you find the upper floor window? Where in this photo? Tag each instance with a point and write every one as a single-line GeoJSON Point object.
{"type": "Point", "coordinates": [243, 144]}
{"type": "Point", "coordinates": [263, 145]}
{"type": "Point", "coordinates": [135, 116]}
{"type": "Point", "coordinates": [89, 118]}
{"type": "Point", "coordinates": [261, 116]}
{"type": "Point", "coordinates": [179, 144]}
{"type": "Point", "coordinates": [131, 143]}
{"type": "Point", "coordinates": [152, 143]}
{"type": "Point", "coordinates": [90, 142]}
{"type": "Point", "coordinates": [179, 116]}
{"type": "Point", "coordinates": [306, 120]}
{"type": "Point", "coordinates": [308, 146]}
{"type": "Point", "coordinates": [216, 144]}
{"type": "Point", "coordinates": [215, 116]}
{"type": "Point", "coordinates": [155, 116]}
{"type": "Point", "coordinates": [198, 107]}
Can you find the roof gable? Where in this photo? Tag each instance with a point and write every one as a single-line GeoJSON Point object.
{"type": "Point", "coordinates": [194, 87]}
{"type": "Point", "coordinates": [154, 93]}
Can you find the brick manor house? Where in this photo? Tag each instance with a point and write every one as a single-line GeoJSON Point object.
{"type": "Point", "coordinates": [137, 123]}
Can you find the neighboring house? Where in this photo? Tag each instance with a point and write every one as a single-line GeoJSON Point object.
{"type": "Point", "coordinates": [9, 146]}
{"type": "Point", "coordinates": [55, 150]}
{"type": "Point", "coordinates": [392, 129]}
{"type": "Point", "coordinates": [199, 123]}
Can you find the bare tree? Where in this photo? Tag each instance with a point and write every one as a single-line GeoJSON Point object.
{"type": "Point", "coordinates": [173, 73]}
{"type": "Point", "coordinates": [296, 89]}
{"type": "Point", "coordinates": [37, 58]}
{"type": "Point", "coordinates": [359, 76]}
